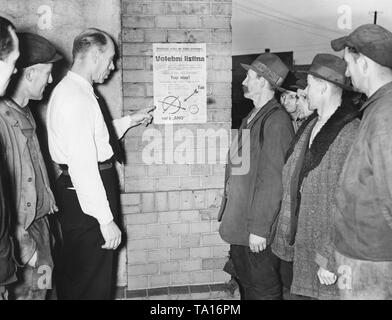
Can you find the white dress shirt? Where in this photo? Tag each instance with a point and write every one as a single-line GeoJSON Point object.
{"type": "Point", "coordinates": [79, 138]}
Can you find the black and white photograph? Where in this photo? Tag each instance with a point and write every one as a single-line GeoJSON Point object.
{"type": "Point", "coordinates": [195, 154]}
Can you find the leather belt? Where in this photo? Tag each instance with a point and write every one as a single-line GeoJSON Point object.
{"type": "Point", "coordinates": [101, 166]}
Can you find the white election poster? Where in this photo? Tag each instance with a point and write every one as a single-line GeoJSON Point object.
{"type": "Point", "coordinates": [180, 83]}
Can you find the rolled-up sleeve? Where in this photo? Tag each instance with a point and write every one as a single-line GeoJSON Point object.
{"type": "Point", "coordinates": [121, 125]}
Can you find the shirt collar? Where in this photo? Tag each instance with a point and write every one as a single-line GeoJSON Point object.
{"type": "Point", "coordinates": [82, 81]}
{"type": "Point", "coordinates": [378, 94]}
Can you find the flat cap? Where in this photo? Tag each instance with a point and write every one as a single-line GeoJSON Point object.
{"type": "Point", "coordinates": [371, 40]}
{"type": "Point", "coordinates": [35, 49]}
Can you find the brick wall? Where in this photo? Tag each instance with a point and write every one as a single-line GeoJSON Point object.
{"type": "Point", "coordinates": [170, 209]}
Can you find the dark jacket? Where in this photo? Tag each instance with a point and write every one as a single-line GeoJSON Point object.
{"type": "Point", "coordinates": [310, 178]}
{"type": "Point", "coordinates": [252, 198]}
{"type": "Point", "coordinates": [364, 221]}
{"type": "Point", "coordinates": [7, 264]}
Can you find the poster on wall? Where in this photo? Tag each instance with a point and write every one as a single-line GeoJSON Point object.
{"type": "Point", "coordinates": [180, 83]}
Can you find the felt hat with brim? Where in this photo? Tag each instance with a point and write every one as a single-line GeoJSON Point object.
{"type": "Point", "coordinates": [330, 68]}
{"type": "Point", "coordinates": [301, 84]}
{"type": "Point", "coordinates": [371, 40]}
{"type": "Point", "coordinates": [35, 49]}
{"type": "Point", "coordinates": [293, 83]}
{"type": "Point", "coordinates": [270, 67]}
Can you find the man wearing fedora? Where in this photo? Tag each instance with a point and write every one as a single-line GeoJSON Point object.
{"type": "Point", "coordinates": [28, 180]}
{"type": "Point", "coordinates": [252, 199]}
{"type": "Point", "coordinates": [363, 223]}
{"type": "Point", "coordinates": [304, 234]}
{"type": "Point", "coordinates": [9, 53]}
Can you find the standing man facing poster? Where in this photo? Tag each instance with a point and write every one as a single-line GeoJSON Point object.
{"type": "Point", "coordinates": [252, 200]}
{"type": "Point", "coordinates": [363, 223]}
{"type": "Point", "coordinates": [87, 189]}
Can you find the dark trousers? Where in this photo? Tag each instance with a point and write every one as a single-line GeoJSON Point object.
{"type": "Point", "coordinates": [86, 270]}
{"type": "Point", "coordinates": [256, 273]}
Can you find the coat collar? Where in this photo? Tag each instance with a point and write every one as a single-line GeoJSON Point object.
{"type": "Point", "coordinates": [236, 145]}
{"type": "Point", "coordinates": [263, 111]}
{"type": "Point", "coordinates": [13, 117]}
{"type": "Point", "coordinates": [5, 105]}
{"type": "Point", "coordinates": [327, 135]}
{"type": "Point", "coordinates": [387, 88]}
{"type": "Point", "coordinates": [298, 134]}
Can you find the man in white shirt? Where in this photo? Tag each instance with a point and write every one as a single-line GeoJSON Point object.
{"type": "Point", "coordinates": [87, 189]}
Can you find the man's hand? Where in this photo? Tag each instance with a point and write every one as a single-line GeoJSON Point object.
{"type": "Point", "coordinates": [142, 116]}
{"type": "Point", "coordinates": [256, 243]}
{"type": "Point", "coordinates": [33, 261]}
{"type": "Point", "coordinates": [326, 277]}
{"type": "Point", "coordinates": [112, 235]}
{"type": "Point", "coordinates": [53, 208]}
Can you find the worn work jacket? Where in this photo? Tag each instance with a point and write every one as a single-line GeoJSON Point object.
{"type": "Point", "coordinates": [21, 176]}
{"type": "Point", "coordinates": [252, 199]}
{"type": "Point", "coordinates": [363, 223]}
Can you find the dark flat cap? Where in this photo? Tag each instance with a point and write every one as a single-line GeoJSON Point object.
{"type": "Point", "coordinates": [35, 49]}
{"type": "Point", "coordinates": [371, 40]}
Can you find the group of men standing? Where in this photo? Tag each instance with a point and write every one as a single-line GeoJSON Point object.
{"type": "Point", "coordinates": [82, 146]}
{"type": "Point", "coordinates": [312, 218]}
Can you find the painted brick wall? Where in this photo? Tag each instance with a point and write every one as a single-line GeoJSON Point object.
{"type": "Point", "coordinates": [170, 209]}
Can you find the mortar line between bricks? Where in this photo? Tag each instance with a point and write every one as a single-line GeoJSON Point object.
{"type": "Point", "coordinates": [176, 290]}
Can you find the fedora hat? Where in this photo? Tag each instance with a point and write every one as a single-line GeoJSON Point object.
{"type": "Point", "coordinates": [331, 68]}
{"type": "Point", "coordinates": [293, 83]}
{"type": "Point", "coordinates": [270, 67]}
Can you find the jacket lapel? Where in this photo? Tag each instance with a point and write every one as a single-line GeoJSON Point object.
{"type": "Point", "coordinates": [327, 136]}
{"type": "Point", "coordinates": [234, 153]}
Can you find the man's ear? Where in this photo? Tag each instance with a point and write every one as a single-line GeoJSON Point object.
{"type": "Point", "coordinates": [95, 54]}
{"type": "Point", "coordinates": [29, 73]}
{"type": "Point", "coordinates": [262, 82]}
{"type": "Point", "coordinates": [324, 86]}
{"type": "Point", "coordinates": [363, 64]}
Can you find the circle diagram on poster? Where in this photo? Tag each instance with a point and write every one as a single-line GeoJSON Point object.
{"type": "Point", "coordinates": [171, 104]}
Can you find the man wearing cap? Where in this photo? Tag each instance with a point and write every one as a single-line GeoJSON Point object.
{"type": "Point", "coordinates": [251, 201]}
{"type": "Point", "coordinates": [364, 220]}
{"type": "Point", "coordinates": [310, 176]}
{"type": "Point", "coordinates": [9, 53]}
{"type": "Point", "coordinates": [29, 185]}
